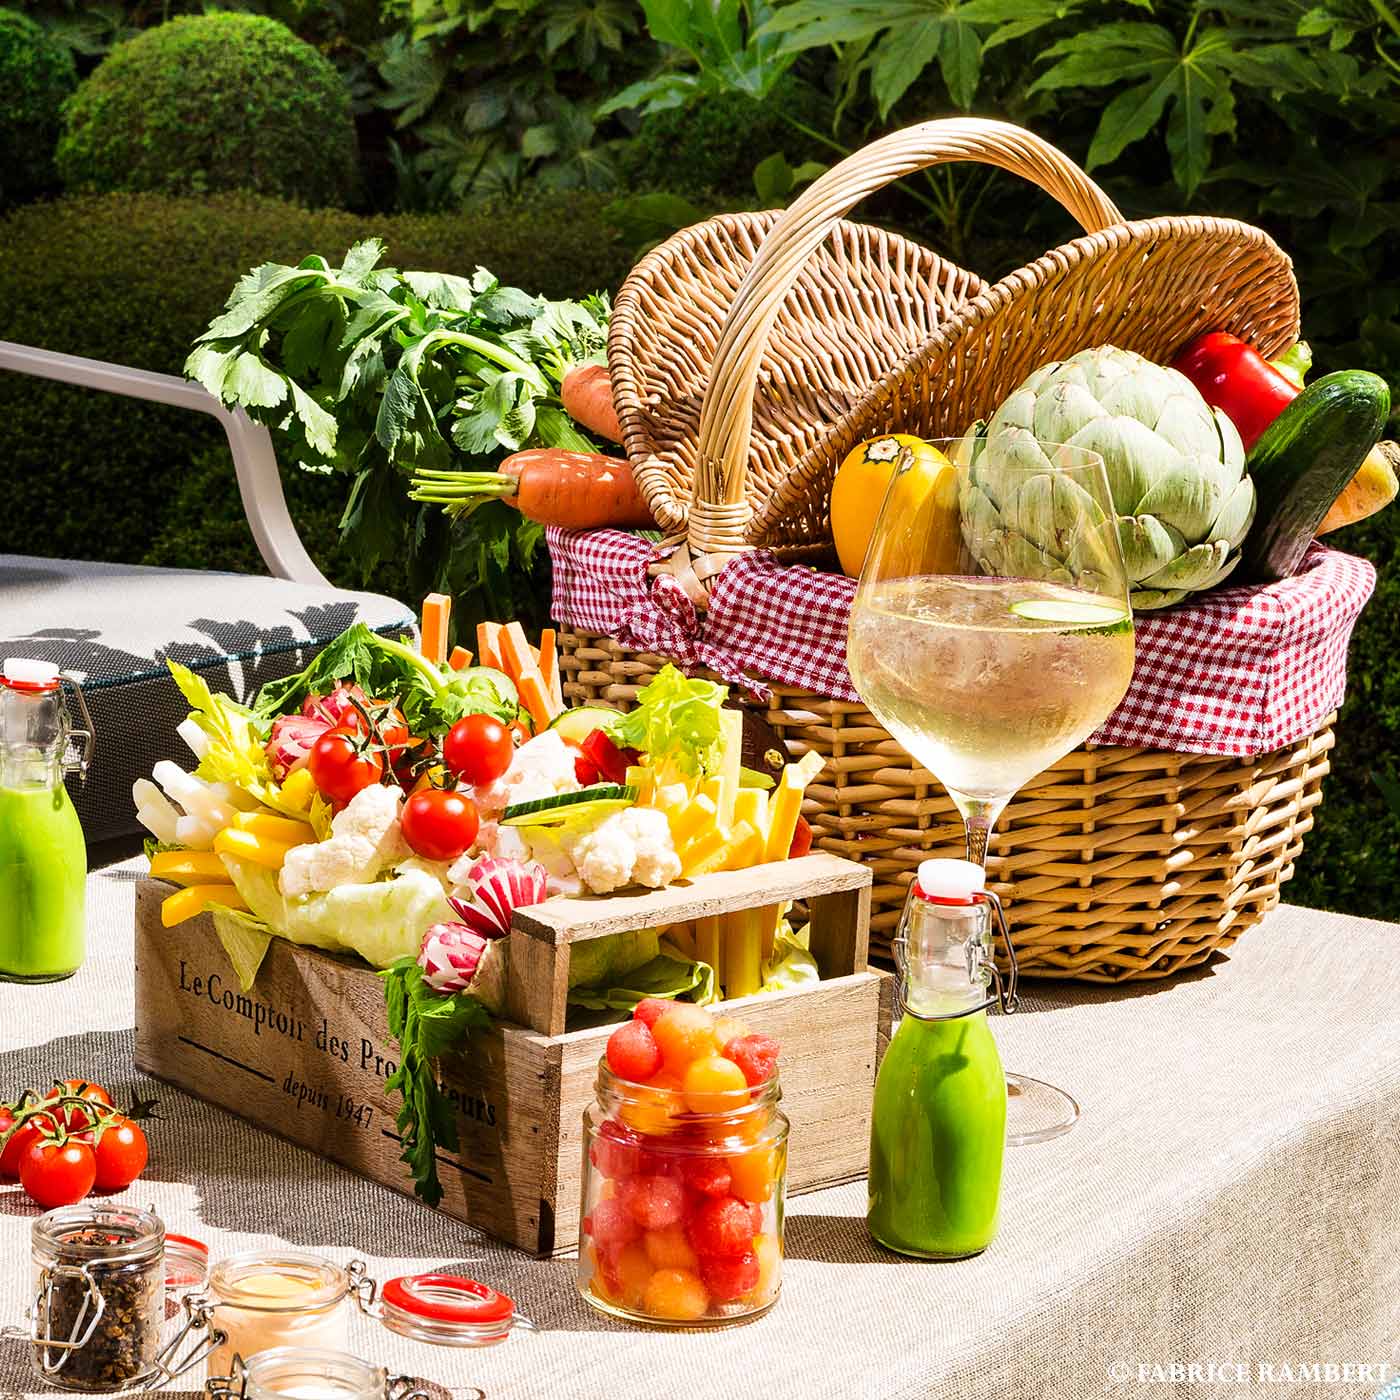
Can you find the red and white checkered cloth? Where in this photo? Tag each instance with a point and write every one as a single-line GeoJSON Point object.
{"type": "Point", "coordinates": [1239, 671]}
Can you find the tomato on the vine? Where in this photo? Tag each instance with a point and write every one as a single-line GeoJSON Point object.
{"type": "Point", "coordinates": [439, 824]}
{"type": "Point", "coordinates": [390, 728]}
{"type": "Point", "coordinates": [74, 1116]}
{"type": "Point", "coordinates": [18, 1145]}
{"type": "Point", "coordinates": [57, 1174]}
{"type": "Point", "coordinates": [120, 1152]}
{"type": "Point", "coordinates": [478, 749]}
{"type": "Point", "coordinates": [341, 765]}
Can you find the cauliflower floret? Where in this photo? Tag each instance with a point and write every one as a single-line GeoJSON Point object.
{"type": "Point", "coordinates": [629, 847]}
{"type": "Point", "coordinates": [541, 768]}
{"type": "Point", "coordinates": [365, 838]}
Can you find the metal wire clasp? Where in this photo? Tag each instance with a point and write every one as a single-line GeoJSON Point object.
{"type": "Point", "coordinates": [86, 737]}
{"type": "Point", "coordinates": [980, 968]}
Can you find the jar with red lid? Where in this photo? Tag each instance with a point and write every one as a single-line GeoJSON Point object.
{"type": "Point", "coordinates": [682, 1203]}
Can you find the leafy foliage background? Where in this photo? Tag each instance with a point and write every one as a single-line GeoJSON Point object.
{"type": "Point", "coordinates": [641, 117]}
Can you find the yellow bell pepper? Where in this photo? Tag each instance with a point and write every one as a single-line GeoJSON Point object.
{"type": "Point", "coordinates": [244, 845]}
{"type": "Point", "coordinates": [275, 828]}
{"type": "Point", "coordinates": [189, 867]}
{"type": "Point", "coordinates": [186, 903]}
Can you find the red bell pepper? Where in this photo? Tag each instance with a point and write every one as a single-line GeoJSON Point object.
{"type": "Point", "coordinates": [1235, 378]}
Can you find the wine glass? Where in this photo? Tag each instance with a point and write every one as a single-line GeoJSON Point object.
{"type": "Point", "coordinates": [991, 634]}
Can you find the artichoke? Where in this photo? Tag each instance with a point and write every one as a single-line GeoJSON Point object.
{"type": "Point", "coordinates": [1176, 471]}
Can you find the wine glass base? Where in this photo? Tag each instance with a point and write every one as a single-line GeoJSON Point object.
{"type": "Point", "coordinates": [1036, 1111]}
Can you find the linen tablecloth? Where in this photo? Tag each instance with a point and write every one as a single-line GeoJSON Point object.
{"type": "Point", "coordinates": [1230, 1202]}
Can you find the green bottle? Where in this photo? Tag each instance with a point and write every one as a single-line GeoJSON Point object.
{"type": "Point", "coordinates": [938, 1125]}
{"type": "Point", "coordinates": [43, 858]}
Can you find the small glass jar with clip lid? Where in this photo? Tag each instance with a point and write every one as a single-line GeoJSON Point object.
{"type": "Point", "coordinates": [306, 1373]}
{"type": "Point", "coordinates": [96, 1323]}
{"type": "Point", "coordinates": [267, 1300]}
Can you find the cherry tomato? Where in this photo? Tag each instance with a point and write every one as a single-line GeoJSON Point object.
{"type": "Point", "coordinates": [439, 825]}
{"type": "Point", "coordinates": [121, 1154]}
{"type": "Point", "coordinates": [801, 839]}
{"type": "Point", "coordinates": [388, 720]}
{"type": "Point", "coordinates": [18, 1145]}
{"type": "Point", "coordinates": [57, 1175]}
{"type": "Point", "coordinates": [74, 1116]}
{"type": "Point", "coordinates": [478, 749]}
{"type": "Point", "coordinates": [340, 767]}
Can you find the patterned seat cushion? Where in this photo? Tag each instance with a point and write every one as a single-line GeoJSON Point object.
{"type": "Point", "coordinates": [113, 625]}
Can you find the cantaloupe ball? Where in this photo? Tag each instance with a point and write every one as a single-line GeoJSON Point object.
{"type": "Point", "coordinates": [751, 1176]}
{"type": "Point", "coordinates": [770, 1256]}
{"type": "Point", "coordinates": [684, 1033]}
{"type": "Point", "coordinates": [713, 1085]}
{"type": "Point", "coordinates": [669, 1248]}
{"type": "Point", "coordinates": [677, 1295]}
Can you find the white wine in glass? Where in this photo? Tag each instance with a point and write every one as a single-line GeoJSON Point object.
{"type": "Point", "coordinates": [993, 637]}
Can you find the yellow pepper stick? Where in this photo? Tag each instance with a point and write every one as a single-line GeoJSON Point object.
{"type": "Point", "coordinates": [185, 904]}
{"type": "Point", "coordinates": [275, 828]}
{"type": "Point", "coordinates": [189, 867]}
{"type": "Point", "coordinates": [243, 845]}
{"type": "Point", "coordinates": [299, 789]}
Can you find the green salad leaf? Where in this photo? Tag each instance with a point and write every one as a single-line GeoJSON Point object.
{"type": "Point", "coordinates": [236, 734]}
{"type": "Point", "coordinates": [667, 975]}
{"type": "Point", "coordinates": [676, 723]}
{"type": "Point", "coordinates": [426, 1024]}
{"type": "Point", "coordinates": [432, 700]}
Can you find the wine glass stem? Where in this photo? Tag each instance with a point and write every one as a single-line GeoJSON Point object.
{"type": "Point", "coordinates": [978, 819]}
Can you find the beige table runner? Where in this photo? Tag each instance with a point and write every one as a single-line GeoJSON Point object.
{"type": "Point", "coordinates": [1231, 1199]}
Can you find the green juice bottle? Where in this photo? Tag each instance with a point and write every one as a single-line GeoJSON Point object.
{"type": "Point", "coordinates": [43, 858]}
{"type": "Point", "coordinates": [938, 1125]}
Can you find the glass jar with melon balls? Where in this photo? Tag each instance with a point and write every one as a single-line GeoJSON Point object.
{"type": "Point", "coordinates": [684, 1167]}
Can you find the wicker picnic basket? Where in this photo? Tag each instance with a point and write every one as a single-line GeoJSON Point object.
{"type": "Point", "coordinates": [744, 371]}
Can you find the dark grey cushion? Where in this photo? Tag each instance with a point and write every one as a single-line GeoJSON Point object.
{"type": "Point", "coordinates": [113, 625]}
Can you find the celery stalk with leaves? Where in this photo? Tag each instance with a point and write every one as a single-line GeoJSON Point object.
{"type": "Point", "coordinates": [378, 373]}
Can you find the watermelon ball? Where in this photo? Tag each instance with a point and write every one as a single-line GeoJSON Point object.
{"type": "Point", "coordinates": [721, 1227]}
{"type": "Point", "coordinates": [707, 1175]}
{"type": "Point", "coordinates": [654, 1202]}
{"type": "Point", "coordinates": [730, 1278]}
{"type": "Point", "coordinates": [616, 1152]}
{"type": "Point", "coordinates": [756, 1055]}
{"type": "Point", "coordinates": [633, 1053]}
{"type": "Point", "coordinates": [650, 1010]}
{"type": "Point", "coordinates": [685, 1033]}
{"type": "Point", "coordinates": [611, 1226]}
{"type": "Point", "coordinates": [677, 1295]}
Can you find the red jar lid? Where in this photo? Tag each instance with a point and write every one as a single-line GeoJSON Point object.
{"type": "Point", "coordinates": [186, 1262]}
{"type": "Point", "coordinates": [448, 1298]}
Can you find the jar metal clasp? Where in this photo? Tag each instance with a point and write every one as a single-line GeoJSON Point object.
{"type": "Point", "coordinates": [980, 968]}
{"type": "Point", "coordinates": [41, 1333]}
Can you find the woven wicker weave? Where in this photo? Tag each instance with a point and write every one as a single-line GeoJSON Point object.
{"type": "Point", "coordinates": [1115, 865]}
{"type": "Point", "coordinates": [741, 379]}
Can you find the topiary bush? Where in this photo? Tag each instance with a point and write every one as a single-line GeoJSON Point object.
{"type": "Point", "coordinates": [213, 102]}
{"type": "Point", "coordinates": [36, 75]}
{"type": "Point", "coordinates": [91, 476]}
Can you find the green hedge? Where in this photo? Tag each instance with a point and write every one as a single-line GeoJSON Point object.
{"type": "Point", "coordinates": [36, 75]}
{"type": "Point", "coordinates": [213, 102]}
{"type": "Point", "coordinates": [139, 276]}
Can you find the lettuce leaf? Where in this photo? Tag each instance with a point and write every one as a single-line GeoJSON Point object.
{"type": "Point", "coordinates": [596, 962]}
{"type": "Point", "coordinates": [431, 699]}
{"type": "Point", "coordinates": [666, 975]}
{"type": "Point", "coordinates": [790, 966]}
{"type": "Point", "coordinates": [246, 940]}
{"type": "Point", "coordinates": [236, 737]}
{"type": "Point", "coordinates": [676, 723]}
{"type": "Point", "coordinates": [380, 922]}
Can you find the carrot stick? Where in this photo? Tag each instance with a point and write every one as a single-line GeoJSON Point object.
{"type": "Point", "coordinates": [437, 610]}
{"type": "Point", "coordinates": [486, 645]}
{"type": "Point", "coordinates": [460, 659]}
{"type": "Point", "coordinates": [587, 396]}
{"type": "Point", "coordinates": [549, 667]}
{"type": "Point", "coordinates": [514, 650]}
{"type": "Point", "coordinates": [535, 699]}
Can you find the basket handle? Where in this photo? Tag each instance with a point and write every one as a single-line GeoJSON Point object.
{"type": "Point", "coordinates": [719, 510]}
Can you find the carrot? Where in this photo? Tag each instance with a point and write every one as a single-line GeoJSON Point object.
{"type": "Point", "coordinates": [549, 668]}
{"type": "Point", "coordinates": [486, 644]}
{"type": "Point", "coordinates": [517, 660]}
{"type": "Point", "coordinates": [437, 609]}
{"type": "Point", "coordinates": [460, 659]}
{"type": "Point", "coordinates": [587, 396]}
{"type": "Point", "coordinates": [535, 699]}
{"type": "Point", "coordinates": [574, 490]}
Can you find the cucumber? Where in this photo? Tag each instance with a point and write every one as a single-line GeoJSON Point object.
{"type": "Point", "coordinates": [1303, 462]}
{"type": "Point", "coordinates": [1068, 612]}
{"type": "Point", "coordinates": [580, 723]}
{"type": "Point", "coordinates": [570, 807]}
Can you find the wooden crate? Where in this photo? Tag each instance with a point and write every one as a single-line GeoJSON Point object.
{"type": "Point", "coordinates": [306, 1051]}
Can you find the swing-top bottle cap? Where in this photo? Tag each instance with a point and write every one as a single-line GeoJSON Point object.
{"type": "Point", "coordinates": [950, 882]}
{"type": "Point", "coordinates": [18, 673]}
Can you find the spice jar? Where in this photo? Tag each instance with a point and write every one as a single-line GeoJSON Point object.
{"type": "Point", "coordinates": [682, 1209]}
{"type": "Point", "coordinates": [309, 1374]}
{"type": "Point", "coordinates": [99, 1299]}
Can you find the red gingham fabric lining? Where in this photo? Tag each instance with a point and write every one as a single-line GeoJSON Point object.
{"type": "Point", "coordinates": [1239, 671]}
